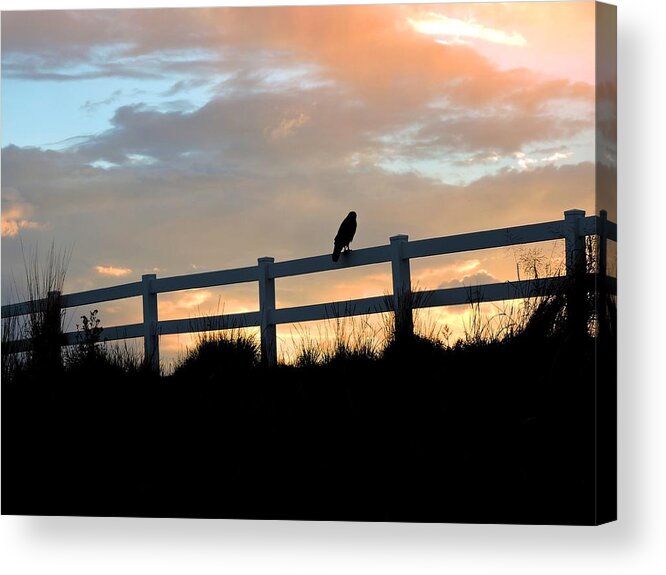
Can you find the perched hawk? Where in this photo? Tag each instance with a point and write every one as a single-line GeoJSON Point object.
{"type": "Point", "coordinates": [345, 235]}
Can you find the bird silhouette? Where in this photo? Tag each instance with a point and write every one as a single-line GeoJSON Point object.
{"type": "Point", "coordinates": [345, 235]}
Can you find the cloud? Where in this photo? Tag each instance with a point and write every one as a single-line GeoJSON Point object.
{"type": "Point", "coordinates": [181, 303]}
{"type": "Point", "coordinates": [207, 302]}
{"type": "Point", "coordinates": [244, 131]}
{"type": "Point", "coordinates": [90, 106]}
{"type": "Point", "coordinates": [288, 125]}
{"type": "Point", "coordinates": [481, 277]}
{"type": "Point", "coordinates": [240, 132]}
{"type": "Point", "coordinates": [341, 85]}
{"type": "Point", "coordinates": [429, 275]}
{"type": "Point", "coordinates": [442, 26]}
{"type": "Point", "coordinates": [16, 214]}
{"type": "Point", "coordinates": [182, 210]}
{"type": "Point", "coordinates": [485, 157]}
{"type": "Point", "coordinates": [526, 162]}
{"type": "Point", "coordinates": [13, 222]}
{"type": "Point", "coordinates": [372, 51]}
{"type": "Point", "coordinates": [489, 133]}
{"type": "Point", "coordinates": [112, 271]}
{"type": "Point", "coordinates": [185, 85]}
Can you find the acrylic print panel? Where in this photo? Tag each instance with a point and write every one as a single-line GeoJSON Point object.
{"type": "Point", "coordinates": [316, 263]}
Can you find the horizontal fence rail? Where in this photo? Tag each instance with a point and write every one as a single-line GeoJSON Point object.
{"type": "Point", "coordinates": [573, 229]}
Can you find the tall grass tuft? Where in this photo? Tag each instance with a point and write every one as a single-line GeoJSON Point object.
{"type": "Point", "coordinates": [343, 339]}
{"type": "Point", "coordinates": [44, 280]}
{"type": "Point", "coordinates": [13, 359]}
{"type": "Point", "coordinates": [219, 355]}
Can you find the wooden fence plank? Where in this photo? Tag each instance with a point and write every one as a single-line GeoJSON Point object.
{"type": "Point", "coordinates": [485, 239]}
{"type": "Point", "coordinates": [206, 279]}
{"type": "Point", "coordinates": [573, 228]}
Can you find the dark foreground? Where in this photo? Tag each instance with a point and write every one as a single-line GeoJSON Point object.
{"type": "Point", "coordinates": [500, 433]}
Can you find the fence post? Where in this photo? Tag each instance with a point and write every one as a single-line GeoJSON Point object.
{"type": "Point", "coordinates": [575, 263]}
{"type": "Point", "coordinates": [49, 338]}
{"type": "Point", "coordinates": [266, 308]}
{"type": "Point", "coordinates": [151, 345]}
{"type": "Point", "coordinates": [402, 287]}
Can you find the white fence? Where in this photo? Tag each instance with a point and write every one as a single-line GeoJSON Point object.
{"type": "Point", "coordinates": [573, 229]}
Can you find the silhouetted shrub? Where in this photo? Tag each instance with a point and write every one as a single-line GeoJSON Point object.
{"type": "Point", "coordinates": [416, 348]}
{"type": "Point", "coordinates": [219, 357]}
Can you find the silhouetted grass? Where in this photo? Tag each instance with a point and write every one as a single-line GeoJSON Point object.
{"type": "Point", "coordinates": [44, 282]}
{"type": "Point", "coordinates": [497, 426]}
{"type": "Point", "coordinates": [106, 361]}
{"type": "Point", "coordinates": [44, 278]}
{"type": "Point", "coordinates": [219, 355]}
{"type": "Point", "coordinates": [13, 360]}
{"type": "Point", "coordinates": [352, 339]}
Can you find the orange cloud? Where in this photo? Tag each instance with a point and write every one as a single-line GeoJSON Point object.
{"type": "Point", "coordinates": [16, 213]}
{"type": "Point", "coordinates": [288, 125]}
{"type": "Point", "coordinates": [112, 271]}
{"type": "Point", "coordinates": [557, 33]}
{"type": "Point", "coordinates": [208, 302]}
{"type": "Point", "coordinates": [380, 52]}
{"type": "Point", "coordinates": [372, 47]}
{"type": "Point", "coordinates": [173, 306]}
{"type": "Point", "coordinates": [13, 221]}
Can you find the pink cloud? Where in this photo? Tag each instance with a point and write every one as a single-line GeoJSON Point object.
{"type": "Point", "coordinates": [16, 214]}
{"type": "Point", "coordinates": [112, 271]}
{"type": "Point", "coordinates": [372, 50]}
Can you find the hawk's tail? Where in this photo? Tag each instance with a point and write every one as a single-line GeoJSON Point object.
{"type": "Point", "coordinates": [336, 252]}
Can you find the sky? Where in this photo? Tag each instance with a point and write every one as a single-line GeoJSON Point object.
{"type": "Point", "coordinates": [171, 141]}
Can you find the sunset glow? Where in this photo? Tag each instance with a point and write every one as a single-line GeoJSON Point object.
{"type": "Point", "coordinates": [200, 139]}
